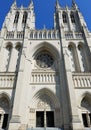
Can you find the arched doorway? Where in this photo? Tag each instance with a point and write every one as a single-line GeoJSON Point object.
{"type": "Point", "coordinates": [45, 109]}
{"type": "Point", "coordinates": [4, 111]}
{"type": "Point", "coordinates": [44, 112]}
{"type": "Point", "coordinates": [86, 110]}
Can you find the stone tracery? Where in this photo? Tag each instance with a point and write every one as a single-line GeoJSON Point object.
{"type": "Point", "coordinates": [44, 60]}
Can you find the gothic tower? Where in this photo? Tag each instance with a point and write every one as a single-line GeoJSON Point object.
{"type": "Point", "coordinates": [18, 18]}
{"type": "Point", "coordinates": [45, 75]}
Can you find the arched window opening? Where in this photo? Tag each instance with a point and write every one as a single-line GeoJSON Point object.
{"type": "Point", "coordinates": [4, 112]}
{"type": "Point", "coordinates": [64, 15]}
{"type": "Point", "coordinates": [72, 17]}
{"type": "Point", "coordinates": [40, 35]}
{"type": "Point", "coordinates": [16, 17]}
{"type": "Point", "coordinates": [24, 18]}
{"type": "Point", "coordinates": [58, 36]}
{"type": "Point", "coordinates": [18, 50]}
{"type": "Point", "coordinates": [79, 47]}
{"type": "Point", "coordinates": [83, 58]}
{"type": "Point", "coordinates": [31, 35]}
{"type": "Point", "coordinates": [45, 59]}
{"type": "Point", "coordinates": [44, 35]}
{"type": "Point", "coordinates": [53, 35]}
{"type": "Point", "coordinates": [49, 35]}
{"type": "Point", "coordinates": [71, 49]}
{"type": "Point", "coordinates": [35, 35]}
{"type": "Point", "coordinates": [86, 111]}
{"type": "Point", "coordinates": [9, 47]}
{"type": "Point", "coordinates": [73, 58]}
{"type": "Point", "coordinates": [8, 55]}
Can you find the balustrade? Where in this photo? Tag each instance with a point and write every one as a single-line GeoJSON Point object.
{"type": "Point", "coordinates": [44, 34]}
{"type": "Point", "coordinates": [7, 80]}
{"type": "Point", "coordinates": [75, 35]}
{"type": "Point", "coordinates": [10, 35]}
{"type": "Point", "coordinates": [82, 80]}
{"type": "Point", "coordinates": [44, 77]}
{"type": "Point", "coordinates": [15, 35]}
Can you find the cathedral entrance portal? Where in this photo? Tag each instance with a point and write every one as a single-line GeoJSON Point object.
{"type": "Point", "coordinates": [45, 108]}
{"type": "Point", "coordinates": [45, 112]}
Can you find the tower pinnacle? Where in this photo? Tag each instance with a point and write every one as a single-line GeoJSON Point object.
{"type": "Point", "coordinates": [74, 4]}
{"type": "Point", "coordinates": [31, 4]}
{"type": "Point", "coordinates": [14, 5]}
{"type": "Point", "coordinates": [31, 1]}
{"type": "Point", "coordinates": [57, 4]}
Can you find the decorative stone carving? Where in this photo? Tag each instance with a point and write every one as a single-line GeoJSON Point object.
{"type": "Point", "coordinates": [44, 77]}
{"type": "Point", "coordinates": [81, 80]}
{"type": "Point", "coordinates": [44, 60]}
{"type": "Point", "coordinates": [4, 105]}
{"type": "Point", "coordinates": [44, 102]}
{"type": "Point", "coordinates": [7, 80]}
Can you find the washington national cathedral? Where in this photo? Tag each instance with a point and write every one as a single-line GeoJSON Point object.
{"type": "Point", "coordinates": [45, 75]}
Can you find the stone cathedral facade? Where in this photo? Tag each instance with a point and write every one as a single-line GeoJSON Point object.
{"type": "Point", "coordinates": [45, 75]}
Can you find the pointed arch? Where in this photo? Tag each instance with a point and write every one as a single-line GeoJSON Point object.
{"type": "Point", "coordinates": [73, 57]}
{"type": "Point", "coordinates": [7, 55]}
{"type": "Point", "coordinates": [17, 53]}
{"type": "Point", "coordinates": [18, 46]}
{"type": "Point", "coordinates": [7, 96]}
{"type": "Point", "coordinates": [83, 57]}
{"type": "Point", "coordinates": [45, 55]}
{"type": "Point", "coordinates": [46, 102]}
{"type": "Point", "coordinates": [85, 106]}
{"type": "Point", "coordinates": [49, 94]}
{"type": "Point", "coordinates": [16, 17]}
{"type": "Point", "coordinates": [47, 46]}
{"type": "Point", "coordinates": [85, 94]}
{"type": "Point", "coordinates": [8, 44]}
{"type": "Point", "coordinates": [64, 16]}
{"type": "Point", "coordinates": [72, 17]}
{"type": "Point", "coordinates": [25, 15]}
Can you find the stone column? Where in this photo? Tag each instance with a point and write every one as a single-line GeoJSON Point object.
{"type": "Point", "coordinates": [13, 60]}
{"type": "Point", "coordinates": [63, 88]}
{"type": "Point", "coordinates": [45, 118]}
{"type": "Point", "coordinates": [69, 19]}
{"type": "Point", "coordinates": [88, 119]}
{"type": "Point", "coordinates": [80, 60]}
{"type": "Point", "coordinates": [63, 100]}
{"type": "Point", "coordinates": [87, 40]}
{"type": "Point", "coordinates": [74, 117]}
{"type": "Point", "coordinates": [15, 120]}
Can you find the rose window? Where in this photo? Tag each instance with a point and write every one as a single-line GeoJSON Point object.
{"type": "Point", "coordinates": [44, 60]}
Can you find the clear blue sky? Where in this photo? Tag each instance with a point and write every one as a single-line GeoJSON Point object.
{"type": "Point", "coordinates": [44, 10]}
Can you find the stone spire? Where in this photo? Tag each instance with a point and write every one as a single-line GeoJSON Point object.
{"type": "Point", "coordinates": [74, 5]}
{"type": "Point", "coordinates": [14, 5]}
{"type": "Point", "coordinates": [31, 4]}
{"type": "Point", "coordinates": [57, 4]}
